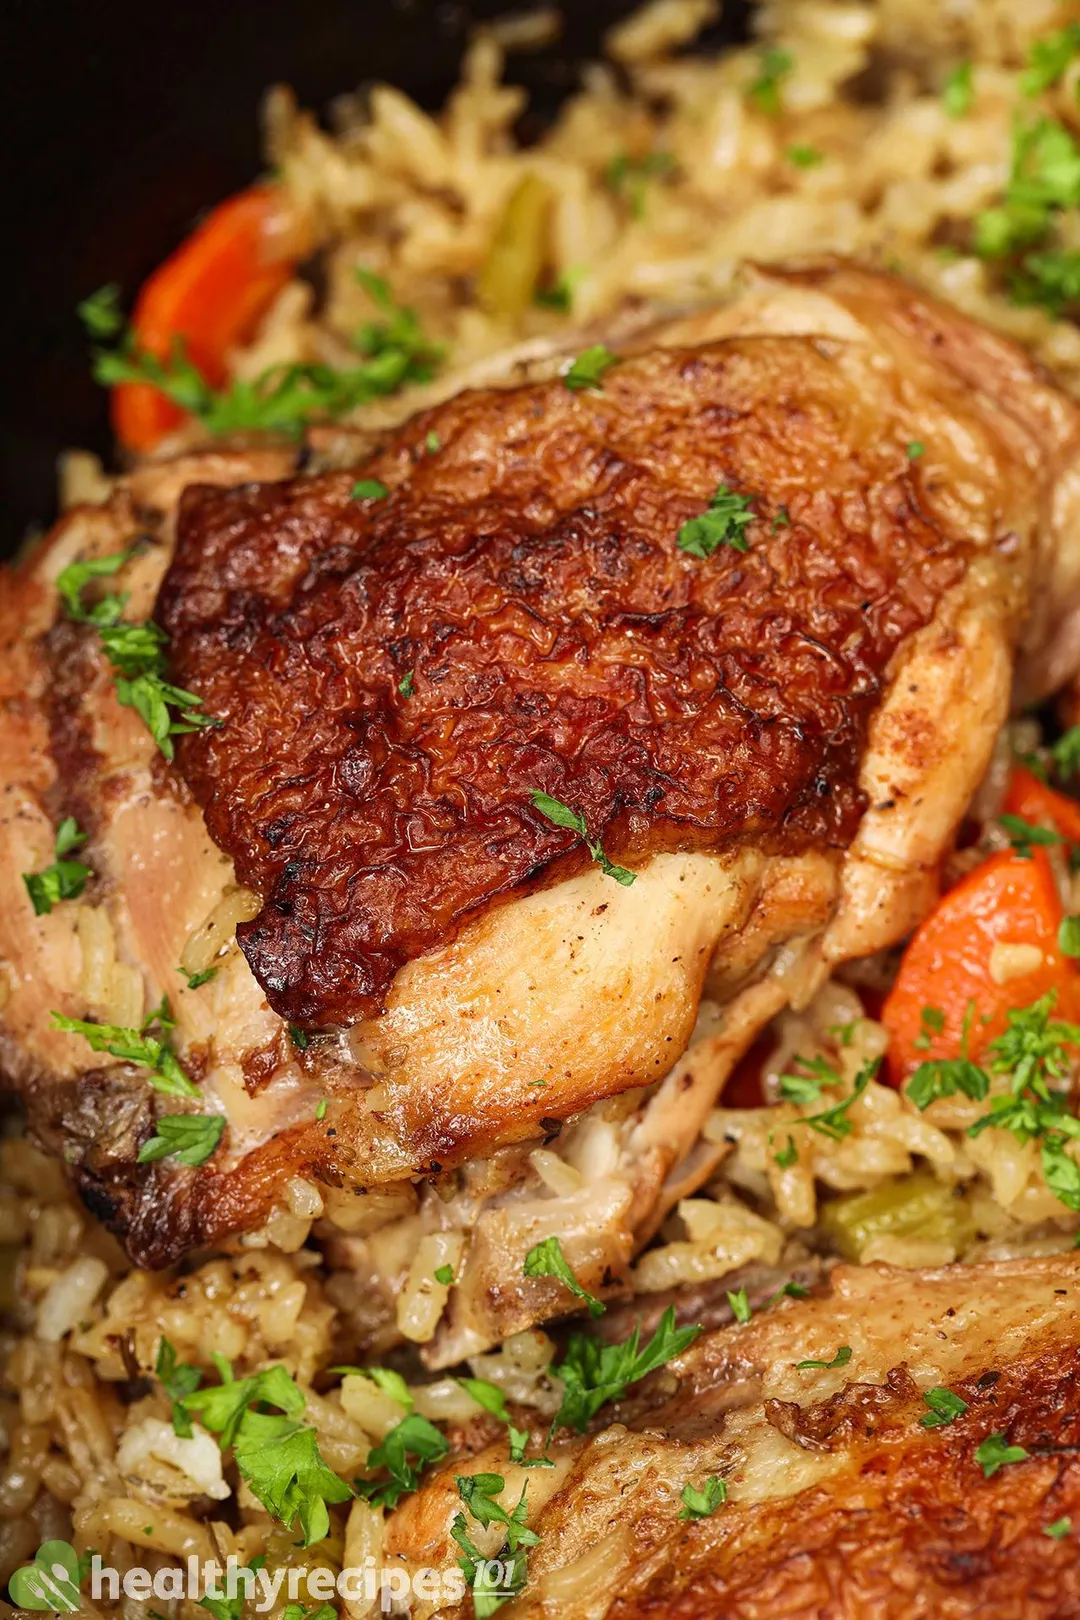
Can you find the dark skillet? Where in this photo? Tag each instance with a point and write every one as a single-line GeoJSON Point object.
{"type": "Point", "coordinates": [125, 119]}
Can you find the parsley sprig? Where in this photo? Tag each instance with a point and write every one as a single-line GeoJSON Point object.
{"type": "Point", "coordinates": [179, 1379]}
{"type": "Point", "coordinates": [702, 1504]}
{"type": "Point", "coordinates": [478, 1493]}
{"type": "Point", "coordinates": [415, 1437]}
{"type": "Point", "coordinates": [1020, 231]}
{"type": "Point", "coordinates": [64, 879]}
{"type": "Point", "coordinates": [277, 1455]}
{"type": "Point", "coordinates": [493, 1400]}
{"type": "Point", "coordinates": [587, 371]}
{"type": "Point", "coordinates": [153, 1052]}
{"type": "Point", "coordinates": [136, 653]}
{"type": "Point", "coordinates": [593, 1373]}
{"type": "Point", "coordinates": [546, 1259]}
{"type": "Point", "coordinates": [188, 1138]}
{"type": "Point", "coordinates": [561, 815]}
{"type": "Point", "coordinates": [1033, 1052]}
{"type": "Point", "coordinates": [282, 399]}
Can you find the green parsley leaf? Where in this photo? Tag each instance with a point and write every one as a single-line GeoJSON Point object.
{"type": "Point", "coordinates": [1066, 753]}
{"type": "Point", "coordinates": [589, 368]}
{"type": "Point", "coordinates": [805, 157]}
{"type": "Point", "coordinates": [493, 1400]}
{"type": "Point", "coordinates": [414, 1436]}
{"type": "Point", "coordinates": [1045, 177]}
{"type": "Point", "coordinates": [432, 442]}
{"type": "Point", "coordinates": [701, 1504]}
{"type": "Point", "coordinates": [178, 1379]}
{"type": "Point", "coordinates": [444, 1274]}
{"type": "Point", "coordinates": [136, 654]}
{"type": "Point", "coordinates": [790, 1290]}
{"type": "Point", "coordinates": [593, 1373]}
{"type": "Point", "coordinates": [296, 1611]}
{"type": "Point", "coordinates": [546, 1259]}
{"type": "Point", "coordinates": [1048, 58]}
{"type": "Point", "coordinates": [1059, 1529]}
{"type": "Point", "coordinates": [944, 1408]}
{"type": "Point", "coordinates": [931, 1023]}
{"type": "Point", "coordinates": [958, 92]}
{"type": "Point", "coordinates": [996, 1453]}
{"type": "Point", "coordinates": [64, 879]}
{"type": "Point", "coordinates": [478, 1492]}
{"type": "Point", "coordinates": [72, 580]}
{"type": "Point", "coordinates": [915, 449]}
{"type": "Point", "coordinates": [368, 489]}
{"type": "Point", "coordinates": [320, 1108]}
{"type": "Point", "coordinates": [1069, 936]}
{"type": "Point", "coordinates": [195, 981]}
{"type": "Point", "coordinates": [775, 65]}
{"type": "Point", "coordinates": [944, 1077]}
{"type": "Point", "coordinates": [101, 314]}
{"type": "Point", "coordinates": [740, 1304]}
{"type": "Point", "coordinates": [810, 1076]}
{"type": "Point", "coordinates": [722, 524]}
{"type": "Point", "coordinates": [299, 1037]}
{"type": "Point", "coordinates": [787, 1156]}
{"type": "Point", "coordinates": [561, 815]}
{"type": "Point", "coordinates": [134, 1046]}
{"type": "Point", "coordinates": [385, 1378]}
{"type": "Point", "coordinates": [407, 683]}
{"type": "Point", "coordinates": [629, 177]}
{"type": "Point", "coordinates": [1024, 835]}
{"type": "Point", "coordinates": [1060, 1170]}
{"type": "Point", "coordinates": [560, 294]}
{"type": "Point", "coordinates": [1048, 280]}
{"type": "Point", "coordinates": [834, 1122]}
{"type": "Point", "coordinates": [276, 1454]}
{"type": "Point", "coordinates": [188, 1138]}
{"type": "Point", "coordinates": [841, 1359]}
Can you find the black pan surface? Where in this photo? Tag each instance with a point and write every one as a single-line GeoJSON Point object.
{"type": "Point", "coordinates": [126, 118]}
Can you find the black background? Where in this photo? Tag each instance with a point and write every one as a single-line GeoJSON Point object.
{"type": "Point", "coordinates": [120, 122]}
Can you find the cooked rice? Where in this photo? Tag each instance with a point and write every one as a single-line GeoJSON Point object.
{"type": "Point", "coordinates": [90, 1452]}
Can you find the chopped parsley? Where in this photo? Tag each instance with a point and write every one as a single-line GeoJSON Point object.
{"type": "Point", "coordinates": [546, 1259]}
{"type": "Point", "coordinates": [64, 879]}
{"type": "Point", "coordinates": [407, 684]}
{"type": "Point", "coordinates": [320, 1108]}
{"type": "Point", "coordinates": [806, 1083]}
{"type": "Point", "coordinates": [1059, 1529]}
{"type": "Point", "coordinates": [493, 1400]}
{"type": "Point", "coordinates": [588, 369]}
{"type": "Point", "coordinates": [153, 1052]}
{"type": "Point", "coordinates": [414, 1437]}
{"type": "Point", "coordinates": [1032, 1052]}
{"type": "Point", "coordinates": [834, 1122]}
{"type": "Point", "coordinates": [701, 1504]}
{"type": "Point", "coordinates": [299, 1037]}
{"type": "Point", "coordinates": [1048, 58]}
{"type": "Point", "coordinates": [996, 1453]}
{"type": "Point", "coordinates": [561, 815]}
{"type": "Point", "coordinates": [1065, 753]}
{"type": "Point", "coordinates": [178, 1379]}
{"type": "Point", "coordinates": [782, 520]}
{"type": "Point", "coordinates": [805, 157]}
{"type": "Point", "coordinates": [136, 653]}
{"type": "Point", "coordinates": [1024, 836]}
{"type": "Point", "coordinates": [775, 65]}
{"type": "Point", "coordinates": [195, 981]}
{"type": "Point", "coordinates": [188, 1138]}
{"type": "Point", "coordinates": [560, 294]}
{"type": "Point", "coordinates": [282, 399]}
{"type": "Point", "coordinates": [1069, 936]}
{"type": "Point", "coordinates": [432, 442]}
{"type": "Point", "coordinates": [944, 1077]}
{"type": "Point", "coordinates": [944, 1408]}
{"type": "Point", "coordinates": [841, 1359]}
{"type": "Point", "coordinates": [629, 177]}
{"type": "Point", "coordinates": [787, 1156]}
{"type": "Point", "coordinates": [368, 489]}
{"type": "Point", "coordinates": [593, 1373]}
{"type": "Point", "coordinates": [721, 524]}
{"type": "Point", "coordinates": [385, 1378]}
{"type": "Point", "coordinates": [444, 1275]}
{"type": "Point", "coordinates": [276, 1454]}
{"type": "Point", "coordinates": [1049, 281]}
{"type": "Point", "coordinates": [478, 1493]}
{"type": "Point", "coordinates": [740, 1304]}
{"type": "Point", "coordinates": [915, 449]}
{"type": "Point", "coordinates": [958, 92]}
{"type": "Point", "coordinates": [931, 1023]}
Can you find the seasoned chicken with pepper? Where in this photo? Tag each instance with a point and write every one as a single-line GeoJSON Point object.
{"type": "Point", "coordinates": [582, 695]}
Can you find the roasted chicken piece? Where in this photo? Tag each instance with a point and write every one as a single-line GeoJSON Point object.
{"type": "Point", "coordinates": [840, 1498]}
{"type": "Point", "coordinates": [778, 742]}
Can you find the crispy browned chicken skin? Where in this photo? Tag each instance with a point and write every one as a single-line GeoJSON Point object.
{"type": "Point", "coordinates": [781, 743]}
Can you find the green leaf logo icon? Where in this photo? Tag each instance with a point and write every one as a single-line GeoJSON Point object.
{"type": "Point", "coordinates": [50, 1582]}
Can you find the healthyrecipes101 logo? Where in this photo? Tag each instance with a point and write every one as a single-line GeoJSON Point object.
{"type": "Point", "coordinates": [53, 1581]}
